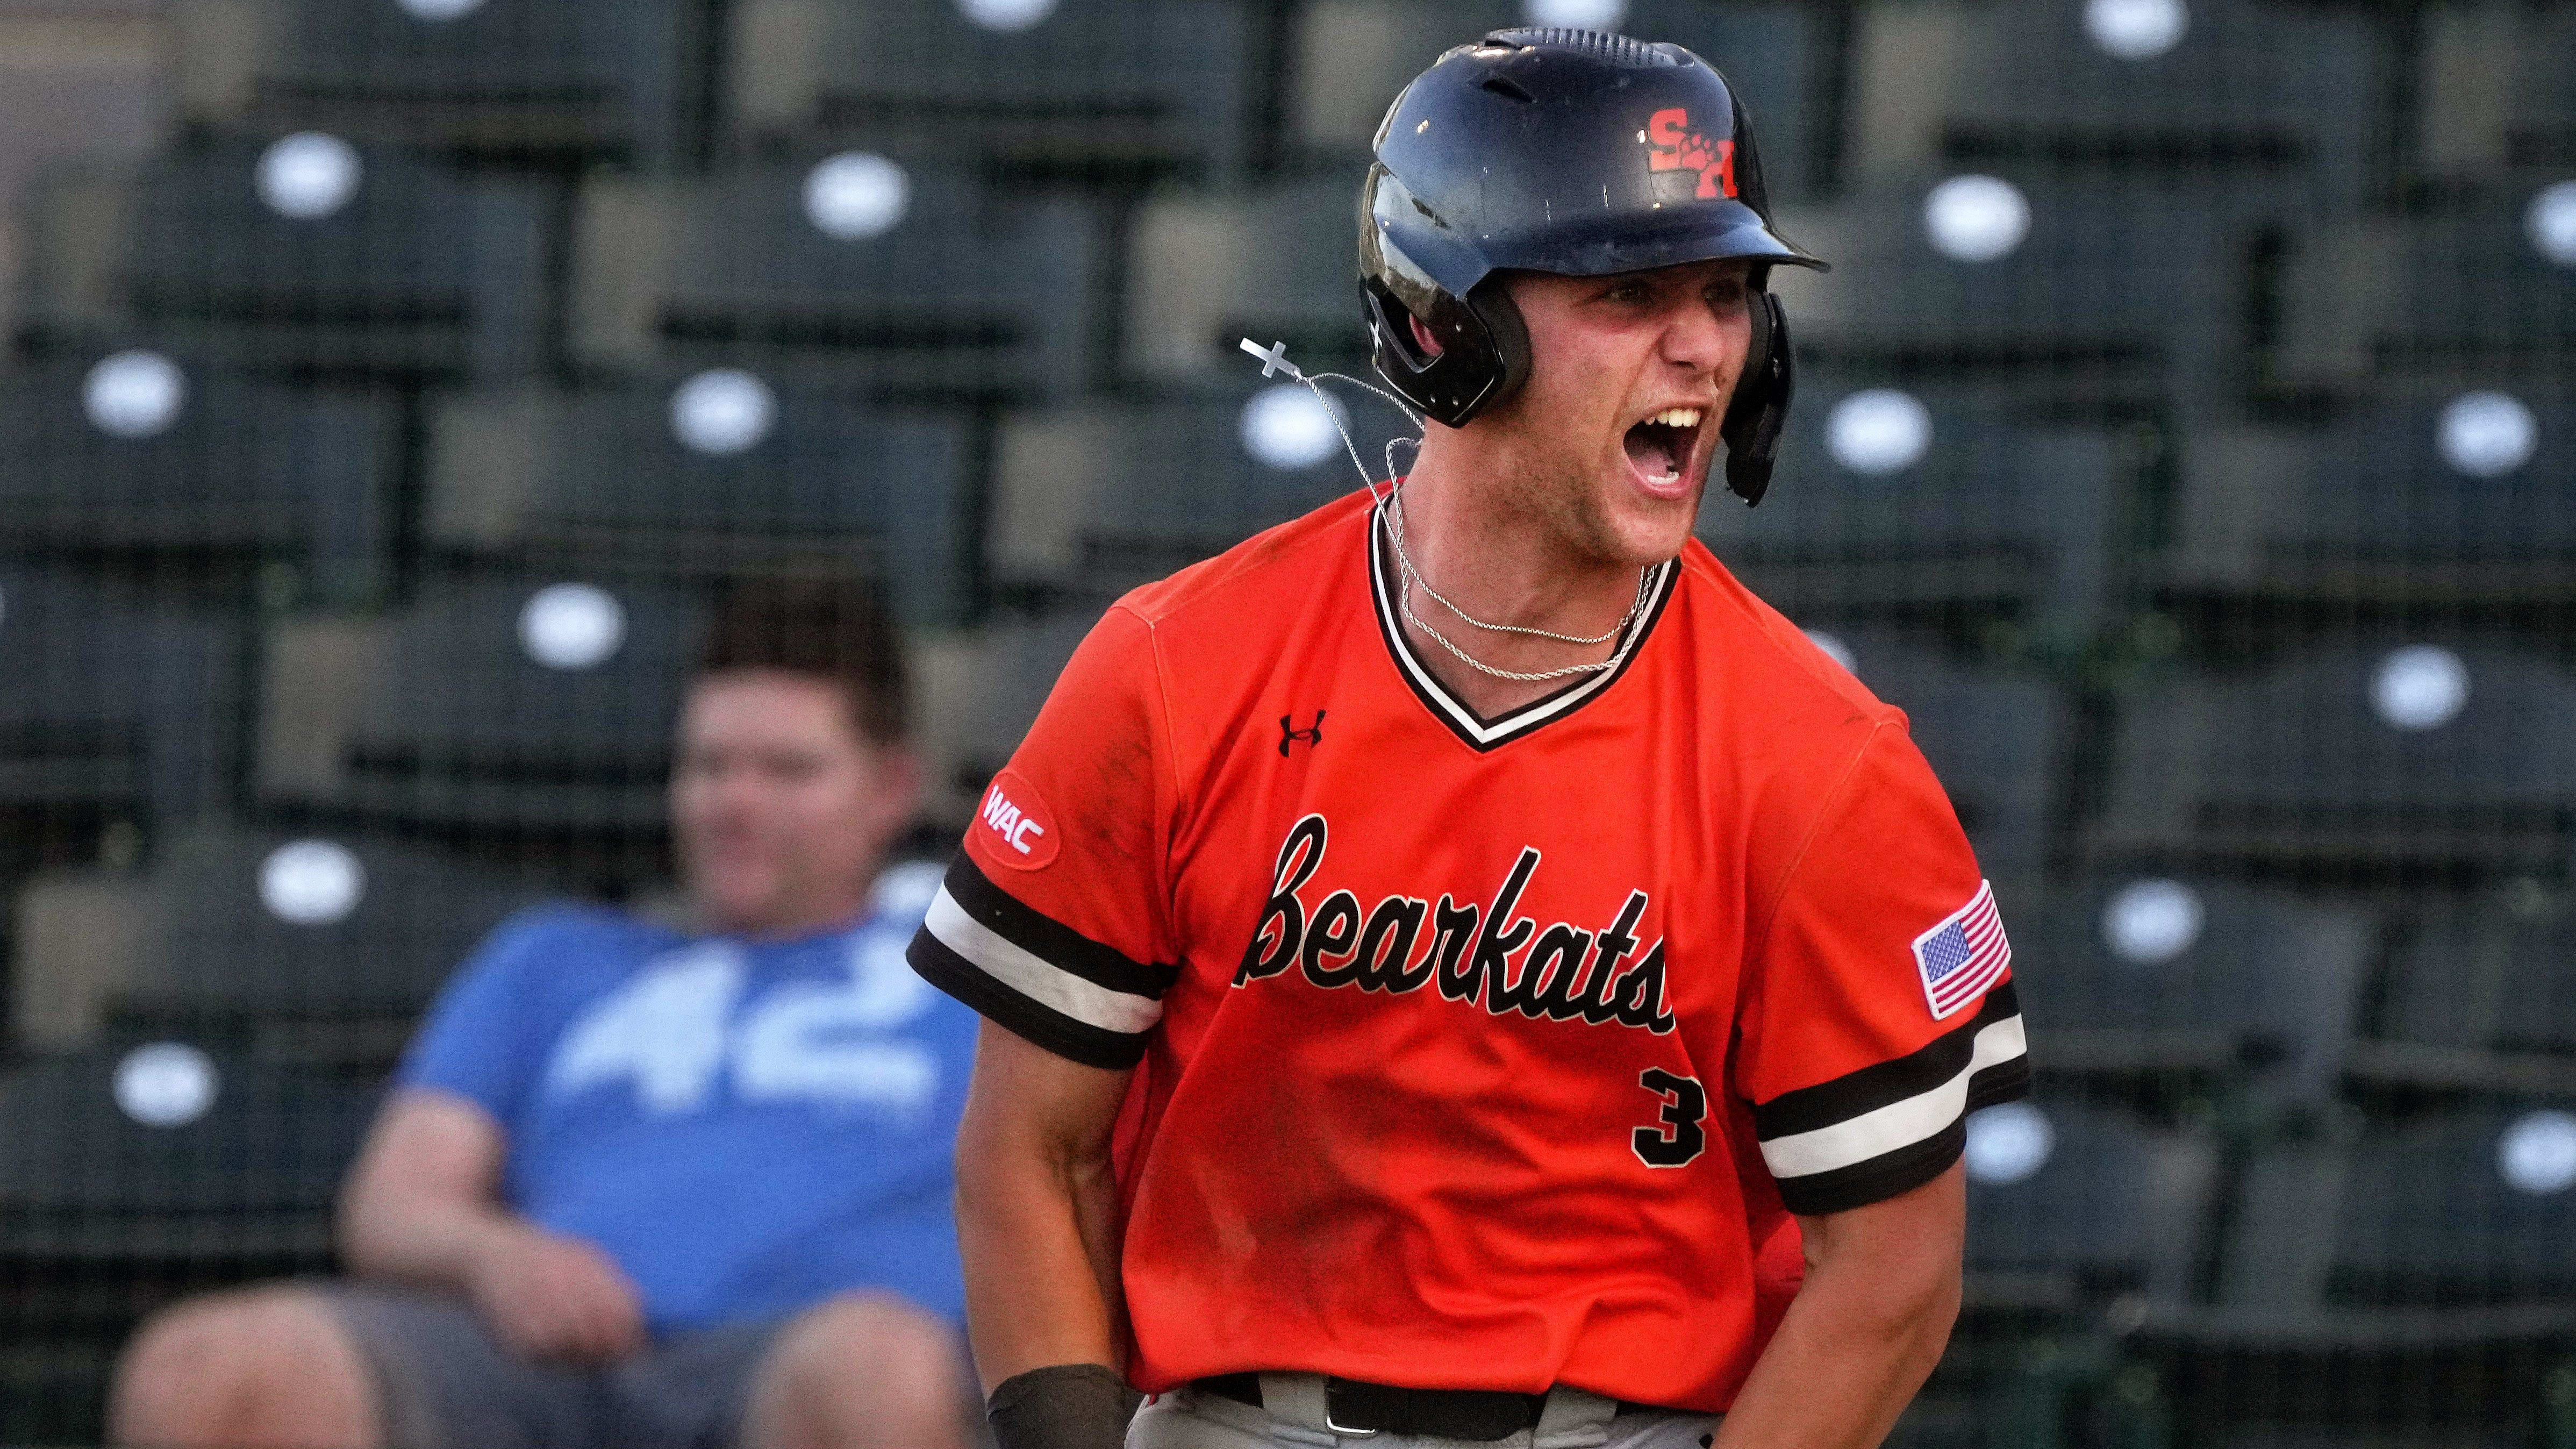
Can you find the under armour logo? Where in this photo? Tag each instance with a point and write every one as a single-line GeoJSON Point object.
{"type": "Point", "coordinates": [1313, 734]}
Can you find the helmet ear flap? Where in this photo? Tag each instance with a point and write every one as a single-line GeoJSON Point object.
{"type": "Point", "coordinates": [1483, 356]}
{"type": "Point", "coordinates": [1759, 411]}
{"type": "Point", "coordinates": [1507, 336]}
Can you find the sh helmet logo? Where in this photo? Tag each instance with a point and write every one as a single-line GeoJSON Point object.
{"type": "Point", "coordinates": [1687, 165]}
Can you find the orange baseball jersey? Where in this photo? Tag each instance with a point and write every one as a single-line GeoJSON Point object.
{"type": "Point", "coordinates": [1479, 1053]}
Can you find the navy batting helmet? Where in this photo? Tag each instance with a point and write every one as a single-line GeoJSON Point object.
{"type": "Point", "coordinates": [1573, 152]}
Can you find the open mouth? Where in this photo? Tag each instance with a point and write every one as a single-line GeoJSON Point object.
{"type": "Point", "coordinates": [1660, 448]}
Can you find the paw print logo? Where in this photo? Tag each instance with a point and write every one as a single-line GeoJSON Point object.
{"type": "Point", "coordinates": [1696, 153]}
{"type": "Point", "coordinates": [1672, 146]}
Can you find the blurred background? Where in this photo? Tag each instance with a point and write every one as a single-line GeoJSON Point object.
{"type": "Point", "coordinates": [2186, 440]}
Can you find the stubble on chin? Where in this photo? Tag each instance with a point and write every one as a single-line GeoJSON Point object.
{"type": "Point", "coordinates": [1566, 496]}
{"type": "Point", "coordinates": [1609, 523]}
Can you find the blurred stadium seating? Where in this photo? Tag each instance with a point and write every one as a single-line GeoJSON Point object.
{"type": "Point", "coordinates": [533, 82]}
{"type": "Point", "coordinates": [298, 253]}
{"type": "Point", "coordinates": [1103, 496]}
{"type": "Point", "coordinates": [2232, 95]}
{"type": "Point", "coordinates": [131, 455]}
{"type": "Point", "coordinates": [1271, 260]}
{"type": "Point", "coordinates": [712, 475]}
{"type": "Point", "coordinates": [2360, 752]}
{"type": "Point", "coordinates": [2109, 292]}
{"type": "Point", "coordinates": [132, 1172]}
{"type": "Point", "coordinates": [2375, 295]}
{"type": "Point", "coordinates": [128, 711]}
{"type": "Point", "coordinates": [2183, 443]}
{"type": "Point", "coordinates": [926, 281]}
{"type": "Point", "coordinates": [2240, 989]}
{"type": "Point", "coordinates": [2479, 999]}
{"type": "Point", "coordinates": [2494, 94]}
{"type": "Point", "coordinates": [528, 707]}
{"type": "Point", "coordinates": [2399, 496]}
{"type": "Point", "coordinates": [1891, 502]}
{"type": "Point", "coordinates": [1992, 733]}
{"type": "Point", "coordinates": [116, 1155]}
{"type": "Point", "coordinates": [1350, 57]}
{"type": "Point", "coordinates": [306, 950]}
{"type": "Point", "coordinates": [1137, 86]}
{"type": "Point", "coordinates": [2071, 1200]}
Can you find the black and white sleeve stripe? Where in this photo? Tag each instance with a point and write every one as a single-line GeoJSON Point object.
{"type": "Point", "coordinates": [1877, 1132]}
{"type": "Point", "coordinates": [1043, 980]}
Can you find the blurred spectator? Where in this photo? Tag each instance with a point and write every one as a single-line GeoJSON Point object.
{"type": "Point", "coordinates": [643, 1186]}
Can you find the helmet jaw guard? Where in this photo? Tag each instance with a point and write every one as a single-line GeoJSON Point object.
{"type": "Point", "coordinates": [1759, 411]}
{"type": "Point", "coordinates": [1599, 174]}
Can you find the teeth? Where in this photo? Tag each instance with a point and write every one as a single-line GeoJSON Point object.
{"type": "Point", "coordinates": [1677, 418]}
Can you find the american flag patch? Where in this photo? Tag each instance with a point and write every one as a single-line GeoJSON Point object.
{"type": "Point", "coordinates": [1963, 955]}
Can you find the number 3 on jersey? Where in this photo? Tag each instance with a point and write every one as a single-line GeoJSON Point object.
{"type": "Point", "coordinates": [1676, 1136]}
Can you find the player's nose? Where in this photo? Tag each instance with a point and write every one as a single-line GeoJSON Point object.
{"type": "Point", "coordinates": [1696, 336]}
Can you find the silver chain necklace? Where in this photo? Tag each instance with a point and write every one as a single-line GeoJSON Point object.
{"type": "Point", "coordinates": [1410, 576]}
{"type": "Point", "coordinates": [1276, 357]}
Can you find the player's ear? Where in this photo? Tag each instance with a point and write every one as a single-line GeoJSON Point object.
{"type": "Point", "coordinates": [1422, 336]}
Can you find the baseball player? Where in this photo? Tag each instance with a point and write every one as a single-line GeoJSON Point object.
{"type": "Point", "coordinates": [1458, 965]}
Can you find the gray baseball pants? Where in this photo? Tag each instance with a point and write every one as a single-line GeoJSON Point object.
{"type": "Point", "coordinates": [1292, 1417]}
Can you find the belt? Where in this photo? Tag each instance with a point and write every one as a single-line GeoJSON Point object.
{"type": "Point", "coordinates": [1357, 1407]}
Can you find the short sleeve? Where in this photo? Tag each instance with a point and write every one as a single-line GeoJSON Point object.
{"type": "Point", "coordinates": [1053, 921]}
{"type": "Point", "coordinates": [483, 1037]}
{"type": "Point", "coordinates": [1878, 1005]}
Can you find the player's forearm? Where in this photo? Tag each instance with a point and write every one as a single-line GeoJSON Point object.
{"type": "Point", "coordinates": [1882, 1290]}
{"type": "Point", "coordinates": [1037, 1228]}
{"type": "Point", "coordinates": [1037, 1209]}
{"type": "Point", "coordinates": [1845, 1363]}
{"type": "Point", "coordinates": [1038, 1235]}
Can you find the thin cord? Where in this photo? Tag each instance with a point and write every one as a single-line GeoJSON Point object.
{"type": "Point", "coordinates": [1645, 580]}
{"type": "Point", "coordinates": [1314, 385]}
{"type": "Point", "coordinates": [1275, 357]}
{"type": "Point", "coordinates": [1404, 601]}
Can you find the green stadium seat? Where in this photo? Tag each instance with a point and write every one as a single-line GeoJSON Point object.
{"type": "Point", "coordinates": [1104, 495]}
{"type": "Point", "coordinates": [1088, 87]}
{"type": "Point", "coordinates": [1886, 500]}
{"type": "Point", "coordinates": [606, 476]}
{"type": "Point", "coordinates": [2404, 498]}
{"type": "Point", "coordinates": [2455, 291]}
{"type": "Point", "coordinates": [303, 945]}
{"type": "Point", "coordinates": [133, 455]}
{"type": "Point", "coordinates": [2151, 980]}
{"type": "Point", "coordinates": [953, 290]}
{"type": "Point", "coordinates": [121, 707]}
{"type": "Point", "coordinates": [502, 709]}
{"type": "Point", "coordinates": [527, 81]}
{"type": "Point", "coordinates": [2362, 754]}
{"type": "Point", "coordinates": [388, 266]}
{"type": "Point", "coordinates": [166, 1151]}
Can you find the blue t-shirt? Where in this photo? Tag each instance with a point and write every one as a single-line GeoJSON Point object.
{"type": "Point", "coordinates": [746, 1128]}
